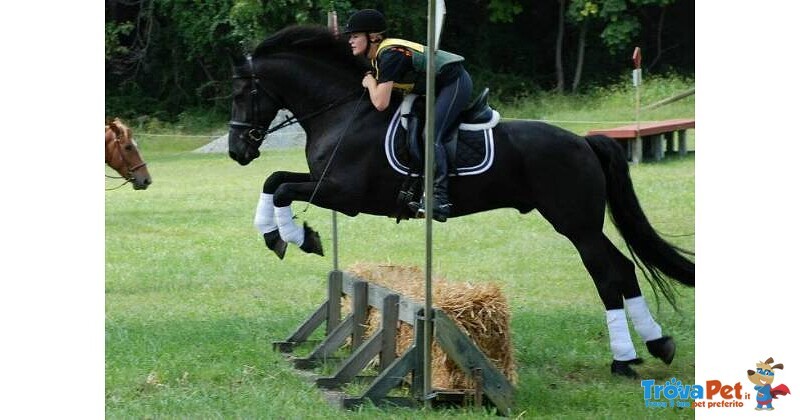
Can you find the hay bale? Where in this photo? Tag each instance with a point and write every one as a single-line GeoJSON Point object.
{"type": "Point", "coordinates": [480, 310]}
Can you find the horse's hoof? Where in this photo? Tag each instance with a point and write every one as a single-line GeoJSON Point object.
{"type": "Point", "coordinates": [621, 368]}
{"type": "Point", "coordinates": [311, 242]}
{"type": "Point", "coordinates": [662, 348]}
{"type": "Point", "coordinates": [275, 243]}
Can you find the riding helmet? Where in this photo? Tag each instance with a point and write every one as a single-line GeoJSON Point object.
{"type": "Point", "coordinates": [367, 20]}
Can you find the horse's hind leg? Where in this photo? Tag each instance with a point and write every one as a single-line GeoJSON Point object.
{"type": "Point", "coordinates": [658, 345]}
{"type": "Point", "coordinates": [615, 278]}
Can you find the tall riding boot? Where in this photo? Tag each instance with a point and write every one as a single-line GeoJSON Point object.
{"type": "Point", "coordinates": [415, 146]}
{"type": "Point", "coordinates": [441, 204]}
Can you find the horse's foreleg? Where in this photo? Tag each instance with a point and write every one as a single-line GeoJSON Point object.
{"type": "Point", "coordinates": [324, 195]}
{"type": "Point", "coordinates": [306, 238]}
{"type": "Point", "coordinates": [265, 217]}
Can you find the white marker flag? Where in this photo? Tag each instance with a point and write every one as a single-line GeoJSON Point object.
{"type": "Point", "coordinates": [439, 22]}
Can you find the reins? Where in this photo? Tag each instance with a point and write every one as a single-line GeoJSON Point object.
{"type": "Point", "coordinates": [294, 120]}
{"type": "Point", "coordinates": [258, 131]}
{"type": "Point", "coordinates": [335, 149]}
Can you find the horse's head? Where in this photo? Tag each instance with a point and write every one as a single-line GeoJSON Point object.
{"type": "Point", "coordinates": [253, 108]}
{"type": "Point", "coordinates": [122, 154]}
{"type": "Point", "coordinates": [304, 69]}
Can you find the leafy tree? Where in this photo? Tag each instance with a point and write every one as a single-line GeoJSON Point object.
{"type": "Point", "coordinates": [581, 13]}
{"type": "Point", "coordinates": [164, 57]}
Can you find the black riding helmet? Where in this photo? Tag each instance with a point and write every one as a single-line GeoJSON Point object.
{"type": "Point", "coordinates": [367, 20]}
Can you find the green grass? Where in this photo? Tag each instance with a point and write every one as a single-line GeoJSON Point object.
{"type": "Point", "coordinates": [194, 299]}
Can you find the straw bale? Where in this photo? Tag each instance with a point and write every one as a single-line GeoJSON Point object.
{"type": "Point", "coordinates": [481, 310]}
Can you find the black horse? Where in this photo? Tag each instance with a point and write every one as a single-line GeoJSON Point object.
{"type": "Point", "coordinates": [569, 179]}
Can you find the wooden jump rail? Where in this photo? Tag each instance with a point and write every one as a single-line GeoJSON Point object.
{"type": "Point", "coordinates": [647, 141]}
{"type": "Point", "coordinates": [394, 308]}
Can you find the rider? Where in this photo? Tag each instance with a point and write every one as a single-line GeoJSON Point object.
{"type": "Point", "coordinates": [400, 64]}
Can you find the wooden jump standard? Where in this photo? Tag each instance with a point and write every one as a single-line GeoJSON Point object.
{"type": "Point", "coordinates": [489, 381]}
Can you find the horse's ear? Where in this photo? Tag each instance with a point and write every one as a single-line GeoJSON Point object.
{"type": "Point", "coordinates": [768, 361]}
{"type": "Point", "coordinates": [778, 366]}
{"type": "Point", "coordinates": [235, 53]}
{"type": "Point", "coordinates": [114, 126]}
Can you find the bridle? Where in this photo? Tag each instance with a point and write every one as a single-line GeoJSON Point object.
{"type": "Point", "coordinates": [259, 131]}
{"type": "Point", "coordinates": [130, 169]}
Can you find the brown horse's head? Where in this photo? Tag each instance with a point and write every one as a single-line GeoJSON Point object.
{"type": "Point", "coordinates": [122, 154]}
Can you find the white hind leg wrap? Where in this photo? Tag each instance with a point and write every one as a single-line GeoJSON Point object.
{"type": "Point", "coordinates": [643, 321]}
{"type": "Point", "coordinates": [288, 229]}
{"type": "Point", "coordinates": [264, 221]}
{"type": "Point", "coordinates": [621, 344]}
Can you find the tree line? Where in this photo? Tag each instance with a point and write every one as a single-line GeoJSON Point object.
{"type": "Point", "coordinates": [164, 57]}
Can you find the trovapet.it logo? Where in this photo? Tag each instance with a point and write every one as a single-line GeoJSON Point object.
{"type": "Point", "coordinates": [673, 393]}
{"type": "Point", "coordinates": [715, 394]}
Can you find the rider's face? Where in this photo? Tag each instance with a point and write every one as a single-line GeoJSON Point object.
{"type": "Point", "coordinates": [358, 43]}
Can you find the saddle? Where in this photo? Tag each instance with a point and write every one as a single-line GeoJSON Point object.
{"type": "Point", "coordinates": [469, 147]}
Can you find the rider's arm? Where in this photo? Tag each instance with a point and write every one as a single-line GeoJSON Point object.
{"type": "Point", "coordinates": [392, 64]}
{"type": "Point", "coordinates": [379, 93]}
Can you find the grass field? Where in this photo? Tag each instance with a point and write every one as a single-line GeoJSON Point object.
{"type": "Point", "coordinates": [194, 299]}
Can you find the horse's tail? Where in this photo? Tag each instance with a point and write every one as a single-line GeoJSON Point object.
{"type": "Point", "coordinates": [659, 257]}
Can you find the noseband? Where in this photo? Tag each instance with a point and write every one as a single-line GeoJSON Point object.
{"type": "Point", "coordinates": [259, 131]}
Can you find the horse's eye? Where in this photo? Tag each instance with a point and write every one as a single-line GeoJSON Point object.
{"type": "Point", "coordinates": [129, 147]}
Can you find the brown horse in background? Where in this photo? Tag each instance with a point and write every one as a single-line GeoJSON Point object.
{"type": "Point", "coordinates": [122, 154]}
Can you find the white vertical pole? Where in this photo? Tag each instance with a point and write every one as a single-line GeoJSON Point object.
{"type": "Point", "coordinates": [333, 25]}
{"type": "Point", "coordinates": [430, 90]}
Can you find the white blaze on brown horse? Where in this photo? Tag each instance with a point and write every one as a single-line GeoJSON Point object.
{"type": "Point", "coordinates": [122, 155]}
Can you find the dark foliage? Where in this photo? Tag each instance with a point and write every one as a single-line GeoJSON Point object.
{"type": "Point", "coordinates": [165, 57]}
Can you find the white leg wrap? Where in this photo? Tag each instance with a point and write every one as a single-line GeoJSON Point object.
{"type": "Point", "coordinates": [264, 220]}
{"type": "Point", "coordinates": [620, 337]}
{"type": "Point", "coordinates": [643, 321]}
{"type": "Point", "coordinates": [289, 230]}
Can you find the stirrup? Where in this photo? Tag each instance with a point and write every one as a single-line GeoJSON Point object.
{"type": "Point", "coordinates": [440, 212]}
{"type": "Point", "coordinates": [417, 208]}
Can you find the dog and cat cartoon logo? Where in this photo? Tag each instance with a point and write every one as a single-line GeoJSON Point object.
{"type": "Point", "coordinates": [715, 394]}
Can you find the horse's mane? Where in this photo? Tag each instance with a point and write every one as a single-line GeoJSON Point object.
{"type": "Point", "coordinates": [315, 41]}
